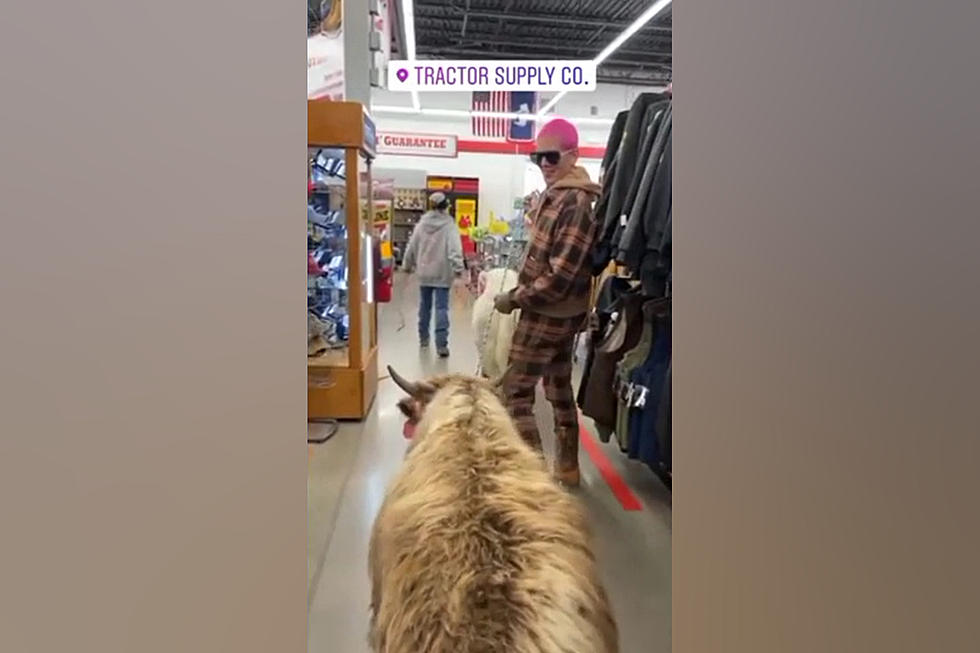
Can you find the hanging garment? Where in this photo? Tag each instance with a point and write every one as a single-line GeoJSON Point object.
{"type": "Point", "coordinates": [611, 289]}
{"type": "Point", "coordinates": [663, 426]}
{"type": "Point", "coordinates": [649, 127]}
{"type": "Point", "coordinates": [630, 240]}
{"type": "Point", "coordinates": [655, 273]}
{"type": "Point", "coordinates": [648, 380]}
{"type": "Point", "coordinates": [633, 133]}
{"type": "Point", "coordinates": [626, 328]}
{"type": "Point", "coordinates": [612, 143]}
{"type": "Point", "coordinates": [656, 122]}
{"type": "Point", "coordinates": [632, 360]}
{"type": "Point", "coordinates": [645, 252]}
{"type": "Point", "coordinates": [602, 204]}
{"type": "Point", "coordinates": [627, 154]}
{"type": "Point", "coordinates": [610, 163]}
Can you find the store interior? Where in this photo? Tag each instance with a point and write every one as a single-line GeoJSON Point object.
{"type": "Point", "coordinates": [375, 157]}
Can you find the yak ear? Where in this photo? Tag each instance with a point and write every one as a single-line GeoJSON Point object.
{"type": "Point", "coordinates": [417, 389]}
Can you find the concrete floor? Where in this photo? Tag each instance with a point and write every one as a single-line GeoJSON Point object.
{"type": "Point", "coordinates": [349, 473]}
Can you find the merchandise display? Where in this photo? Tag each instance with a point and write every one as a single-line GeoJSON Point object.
{"type": "Point", "coordinates": [347, 239]}
{"type": "Point", "coordinates": [492, 250]}
{"type": "Point", "coordinates": [383, 222]}
{"type": "Point", "coordinates": [629, 337]}
{"type": "Point", "coordinates": [326, 287]}
{"type": "Point", "coordinates": [409, 205]}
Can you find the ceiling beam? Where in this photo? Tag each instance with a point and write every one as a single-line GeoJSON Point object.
{"type": "Point", "coordinates": [475, 39]}
{"type": "Point", "coordinates": [663, 60]}
{"type": "Point", "coordinates": [441, 31]}
{"type": "Point", "coordinates": [439, 11]}
{"type": "Point", "coordinates": [633, 81]}
{"type": "Point", "coordinates": [466, 19]}
{"type": "Point", "coordinates": [599, 32]}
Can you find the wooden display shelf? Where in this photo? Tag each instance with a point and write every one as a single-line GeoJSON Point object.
{"type": "Point", "coordinates": [341, 384]}
{"type": "Point", "coordinates": [339, 391]}
{"type": "Point", "coordinates": [331, 358]}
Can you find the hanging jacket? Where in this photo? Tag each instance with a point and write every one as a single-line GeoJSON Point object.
{"type": "Point", "coordinates": [612, 143]}
{"type": "Point", "coordinates": [600, 401]}
{"type": "Point", "coordinates": [657, 115]}
{"type": "Point", "coordinates": [663, 426]}
{"type": "Point", "coordinates": [633, 133]}
{"type": "Point", "coordinates": [631, 361]}
{"type": "Point", "coordinates": [608, 167]}
{"type": "Point", "coordinates": [656, 269]}
{"type": "Point", "coordinates": [607, 301]}
{"type": "Point", "coordinates": [643, 441]}
{"type": "Point", "coordinates": [556, 278]}
{"type": "Point", "coordinates": [435, 250]}
{"type": "Point", "coordinates": [630, 239]}
{"type": "Point", "coordinates": [621, 387]}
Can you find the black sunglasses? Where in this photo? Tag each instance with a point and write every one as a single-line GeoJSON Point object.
{"type": "Point", "coordinates": [551, 156]}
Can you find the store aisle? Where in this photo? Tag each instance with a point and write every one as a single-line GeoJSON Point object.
{"type": "Point", "coordinates": [349, 473]}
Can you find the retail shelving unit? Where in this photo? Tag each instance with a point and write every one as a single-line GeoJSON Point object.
{"type": "Point", "coordinates": [342, 312]}
{"type": "Point", "coordinates": [410, 204]}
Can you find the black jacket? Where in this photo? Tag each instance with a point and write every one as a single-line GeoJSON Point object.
{"type": "Point", "coordinates": [612, 143]}
{"type": "Point", "coordinates": [643, 244]}
{"type": "Point", "coordinates": [656, 115]}
{"type": "Point", "coordinates": [630, 240]}
{"type": "Point", "coordinates": [618, 188]}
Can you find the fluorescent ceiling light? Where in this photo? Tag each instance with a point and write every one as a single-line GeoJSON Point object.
{"type": "Point", "coordinates": [632, 29]}
{"type": "Point", "coordinates": [408, 15]}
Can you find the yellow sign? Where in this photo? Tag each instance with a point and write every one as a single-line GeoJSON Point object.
{"type": "Point", "coordinates": [439, 183]}
{"type": "Point", "coordinates": [466, 209]}
{"type": "Point", "coordinates": [498, 227]}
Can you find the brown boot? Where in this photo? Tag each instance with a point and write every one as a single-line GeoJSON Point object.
{"type": "Point", "coordinates": [569, 477]}
{"type": "Point", "coordinates": [566, 470]}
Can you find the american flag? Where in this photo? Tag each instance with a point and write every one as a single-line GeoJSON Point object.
{"type": "Point", "coordinates": [496, 101]}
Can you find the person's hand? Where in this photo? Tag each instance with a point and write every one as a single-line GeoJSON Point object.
{"type": "Point", "coordinates": [504, 303]}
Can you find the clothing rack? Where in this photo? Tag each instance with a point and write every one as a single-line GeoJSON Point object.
{"type": "Point", "coordinates": [630, 326]}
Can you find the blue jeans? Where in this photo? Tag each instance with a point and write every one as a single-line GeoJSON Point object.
{"type": "Point", "coordinates": [442, 314]}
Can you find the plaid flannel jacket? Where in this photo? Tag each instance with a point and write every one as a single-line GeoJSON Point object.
{"type": "Point", "coordinates": [556, 274]}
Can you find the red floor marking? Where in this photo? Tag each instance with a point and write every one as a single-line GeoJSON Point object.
{"type": "Point", "coordinates": [616, 483]}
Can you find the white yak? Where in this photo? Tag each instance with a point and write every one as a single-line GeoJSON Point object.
{"type": "Point", "coordinates": [495, 351]}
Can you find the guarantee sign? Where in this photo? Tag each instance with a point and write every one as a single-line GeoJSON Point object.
{"type": "Point", "coordinates": [417, 144]}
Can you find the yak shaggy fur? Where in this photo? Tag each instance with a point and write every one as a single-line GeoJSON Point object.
{"type": "Point", "coordinates": [475, 548]}
{"type": "Point", "coordinates": [495, 351]}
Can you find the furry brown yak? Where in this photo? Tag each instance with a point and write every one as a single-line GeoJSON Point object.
{"type": "Point", "coordinates": [475, 548]}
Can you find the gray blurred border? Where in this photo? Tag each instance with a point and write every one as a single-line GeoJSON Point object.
{"type": "Point", "coordinates": [826, 327]}
{"type": "Point", "coordinates": [152, 457]}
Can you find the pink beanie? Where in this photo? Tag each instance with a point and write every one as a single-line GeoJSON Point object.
{"type": "Point", "coordinates": [563, 131]}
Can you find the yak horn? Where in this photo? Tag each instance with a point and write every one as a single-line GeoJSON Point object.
{"type": "Point", "coordinates": [409, 387]}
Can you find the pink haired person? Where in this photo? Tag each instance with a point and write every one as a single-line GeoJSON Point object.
{"type": "Point", "coordinates": [553, 294]}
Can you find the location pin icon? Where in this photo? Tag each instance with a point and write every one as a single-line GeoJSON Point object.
{"type": "Point", "coordinates": [402, 74]}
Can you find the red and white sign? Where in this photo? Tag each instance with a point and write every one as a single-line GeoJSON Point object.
{"type": "Point", "coordinates": [415, 144]}
{"type": "Point", "coordinates": [325, 66]}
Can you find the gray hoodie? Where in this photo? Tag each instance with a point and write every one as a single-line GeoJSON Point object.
{"type": "Point", "coordinates": [435, 250]}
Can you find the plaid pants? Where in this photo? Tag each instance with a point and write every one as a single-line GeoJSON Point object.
{"type": "Point", "coordinates": [542, 350]}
